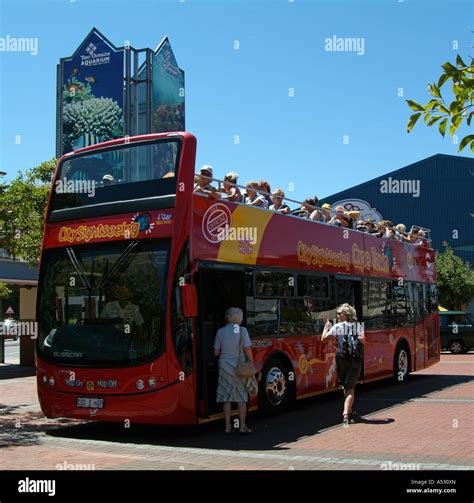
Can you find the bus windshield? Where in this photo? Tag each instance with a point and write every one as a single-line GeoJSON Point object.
{"type": "Point", "coordinates": [126, 172]}
{"type": "Point", "coordinates": [103, 304]}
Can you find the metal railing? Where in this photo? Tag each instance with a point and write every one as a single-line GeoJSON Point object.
{"type": "Point", "coordinates": [412, 237]}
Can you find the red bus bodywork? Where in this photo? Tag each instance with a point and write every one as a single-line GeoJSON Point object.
{"type": "Point", "coordinates": [283, 241]}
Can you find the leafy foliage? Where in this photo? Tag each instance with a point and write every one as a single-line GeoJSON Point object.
{"type": "Point", "coordinates": [455, 279]}
{"type": "Point", "coordinates": [22, 208]}
{"type": "Point", "coordinates": [4, 290]}
{"type": "Point", "coordinates": [438, 112]}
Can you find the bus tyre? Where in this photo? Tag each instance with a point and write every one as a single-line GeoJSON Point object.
{"type": "Point", "coordinates": [277, 387]}
{"type": "Point", "coordinates": [456, 347]}
{"type": "Point", "coordinates": [401, 367]}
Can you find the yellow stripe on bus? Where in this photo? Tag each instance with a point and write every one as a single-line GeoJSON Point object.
{"type": "Point", "coordinates": [246, 221]}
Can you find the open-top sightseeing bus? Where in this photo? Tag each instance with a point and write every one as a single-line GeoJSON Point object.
{"type": "Point", "coordinates": [136, 275]}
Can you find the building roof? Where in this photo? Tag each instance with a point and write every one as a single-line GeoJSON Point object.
{"type": "Point", "coordinates": [443, 200]}
{"type": "Point", "coordinates": [400, 171]}
{"type": "Point", "coordinates": [16, 272]}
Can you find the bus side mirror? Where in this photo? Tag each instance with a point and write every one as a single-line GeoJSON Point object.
{"type": "Point", "coordinates": [189, 300]}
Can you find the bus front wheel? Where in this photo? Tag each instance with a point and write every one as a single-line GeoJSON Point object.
{"type": "Point", "coordinates": [276, 387]}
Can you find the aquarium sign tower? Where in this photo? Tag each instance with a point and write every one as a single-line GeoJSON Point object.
{"type": "Point", "coordinates": [106, 92]}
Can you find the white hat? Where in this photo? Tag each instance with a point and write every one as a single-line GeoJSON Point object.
{"type": "Point", "coordinates": [206, 167]}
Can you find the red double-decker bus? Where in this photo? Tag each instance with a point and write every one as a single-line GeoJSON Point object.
{"type": "Point", "coordinates": [137, 272]}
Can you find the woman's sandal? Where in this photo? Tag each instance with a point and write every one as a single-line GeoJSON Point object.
{"type": "Point", "coordinates": [352, 416]}
{"type": "Point", "coordinates": [346, 418]}
{"type": "Point", "coordinates": [246, 432]}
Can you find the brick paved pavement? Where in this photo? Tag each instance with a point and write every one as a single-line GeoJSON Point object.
{"type": "Point", "coordinates": [427, 423]}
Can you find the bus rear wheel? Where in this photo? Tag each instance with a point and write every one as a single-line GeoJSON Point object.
{"type": "Point", "coordinates": [401, 367]}
{"type": "Point", "coordinates": [276, 388]}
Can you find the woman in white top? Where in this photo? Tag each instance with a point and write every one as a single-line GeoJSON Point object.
{"type": "Point", "coordinates": [349, 336]}
{"type": "Point", "coordinates": [231, 387]}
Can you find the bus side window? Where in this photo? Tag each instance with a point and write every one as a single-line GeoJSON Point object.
{"type": "Point", "coordinates": [401, 304]}
{"type": "Point", "coordinates": [433, 294]}
{"type": "Point", "coordinates": [417, 301]}
{"type": "Point", "coordinates": [377, 305]}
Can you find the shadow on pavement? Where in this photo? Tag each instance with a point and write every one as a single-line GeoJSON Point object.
{"type": "Point", "coordinates": [12, 371]}
{"type": "Point", "coordinates": [19, 428]}
{"type": "Point", "coordinates": [308, 417]}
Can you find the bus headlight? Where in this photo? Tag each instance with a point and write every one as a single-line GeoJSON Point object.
{"type": "Point", "coordinates": [140, 385]}
{"type": "Point", "coordinates": [51, 381]}
{"type": "Point", "coordinates": [152, 382]}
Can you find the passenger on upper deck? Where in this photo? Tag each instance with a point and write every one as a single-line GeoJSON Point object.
{"type": "Point", "coordinates": [377, 230]}
{"type": "Point", "coordinates": [400, 233]}
{"type": "Point", "coordinates": [420, 240]}
{"type": "Point", "coordinates": [387, 229]}
{"type": "Point", "coordinates": [362, 226]}
{"type": "Point", "coordinates": [307, 208]}
{"type": "Point", "coordinates": [252, 197]}
{"type": "Point", "coordinates": [326, 213]}
{"type": "Point", "coordinates": [264, 186]}
{"type": "Point", "coordinates": [317, 214]}
{"type": "Point", "coordinates": [203, 185]}
{"type": "Point", "coordinates": [352, 217]}
{"type": "Point", "coordinates": [340, 218]}
{"type": "Point", "coordinates": [278, 204]}
{"type": "Point", "coordinates": [230, 192]}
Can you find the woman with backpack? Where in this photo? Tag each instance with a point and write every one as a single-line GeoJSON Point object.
{"type": "Point", "coordinates": [350, 338]}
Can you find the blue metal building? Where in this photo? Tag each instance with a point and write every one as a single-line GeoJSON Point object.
{"type": "Point", "coordinates": [436, 193]}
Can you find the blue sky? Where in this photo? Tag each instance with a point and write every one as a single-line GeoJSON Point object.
{"type": "Point", "coordinates": [287, 140]}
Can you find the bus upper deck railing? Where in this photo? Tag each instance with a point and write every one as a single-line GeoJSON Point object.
{"type": "Point", "coordinates": [417, 236]}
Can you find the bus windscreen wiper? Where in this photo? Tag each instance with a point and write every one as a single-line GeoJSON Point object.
{"type": "Point", "coordinates": [115, 269]}
{"type": "Point", "coordinates": [77, 267]}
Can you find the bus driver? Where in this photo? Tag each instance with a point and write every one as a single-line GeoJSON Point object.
{"type": "Point", "coordinates": [126, 316]}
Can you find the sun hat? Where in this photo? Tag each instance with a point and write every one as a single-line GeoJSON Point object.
{"type": "Point", "coordinates": [207, 168]}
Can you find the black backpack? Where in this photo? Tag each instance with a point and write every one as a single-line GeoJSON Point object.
{"type": "Point", "coordinates": [351, 345]}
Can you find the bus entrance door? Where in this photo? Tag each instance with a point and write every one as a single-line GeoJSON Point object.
{"type": "Point", "coordinates": [218, 291]}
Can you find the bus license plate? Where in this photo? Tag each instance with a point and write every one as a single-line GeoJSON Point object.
{"type": "Point", "coordinates": [90, 403]}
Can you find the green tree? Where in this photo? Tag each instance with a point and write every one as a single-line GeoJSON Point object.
{"type": "Point", "coordinates": [438, 111]}
{"type": "Point", "coordinates": [22, 209]}
{"type": "Point", "coordinates": [4, 290]}
{"type": "Point", "coordinates": [455, 279]}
